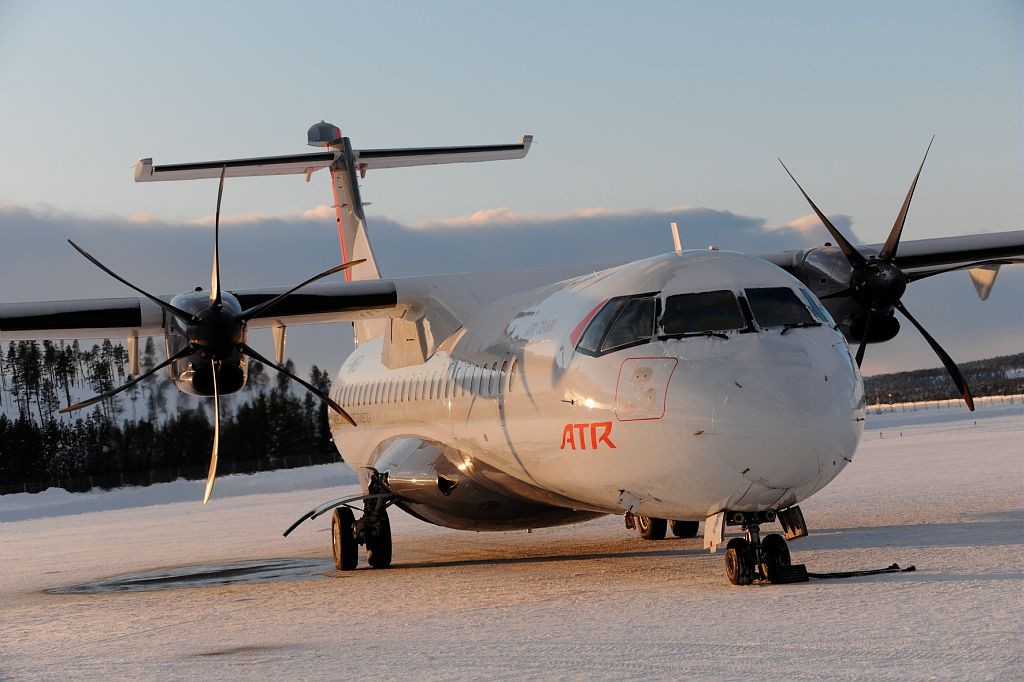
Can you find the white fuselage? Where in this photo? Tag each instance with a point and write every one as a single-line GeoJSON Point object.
{"type": "Point", "coordinates": [679, 428]}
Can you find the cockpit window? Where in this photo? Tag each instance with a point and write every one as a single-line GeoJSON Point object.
{"type": "Point", "coordinates": [591, 340]}
{"type": "Point", "coordinates": [634, 324]}
{"type": "Point", "coordinates": [706, 312]}
{"type": "Point", "coordinates": [817, 308]}
{"type": "Point", "coordinates": [778, 307]}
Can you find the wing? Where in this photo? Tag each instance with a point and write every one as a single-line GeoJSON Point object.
{"type": "Point", "coordinates": [138, 316]}
{"type": "Point", "coordinates": [825, 271]}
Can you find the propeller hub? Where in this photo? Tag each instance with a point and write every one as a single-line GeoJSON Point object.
{"type": "Point", "coordinates": [217, 332]}
{"type": "Point", "coordinates": [879, 285]}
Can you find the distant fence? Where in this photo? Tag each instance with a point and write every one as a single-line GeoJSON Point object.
{"type": "Point", "coordinates": [948, 404]}
{"type": "Point", "coordinates": [82, 484]}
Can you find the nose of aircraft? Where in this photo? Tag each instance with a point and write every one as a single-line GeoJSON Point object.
{"type": "Point", "coordinates": [784, 426]}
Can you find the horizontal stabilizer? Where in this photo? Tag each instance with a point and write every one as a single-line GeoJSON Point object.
{"type": "Point", "coordinates": [305, 164]}
{"type": "Point", "coordinates": [426, 156]}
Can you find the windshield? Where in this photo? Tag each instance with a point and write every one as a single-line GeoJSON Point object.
{"type": "Point", "coordinates": [778, 307]}
{"type": "Point", "coordinates": [710, 311]}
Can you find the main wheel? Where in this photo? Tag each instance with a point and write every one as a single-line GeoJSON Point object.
{"type": "Point", "coordinates": [343, 540]}
{"type": "Point", "coordinates": [378, 549]}
{"type": "Point", "coordinates": [651, 528]}
{"type": "Point", "coordinates": [684, 529]}
{"type": "Point", "coordinates": [774, 553]}
{"type": "Point", "coordinates": [739, 562]}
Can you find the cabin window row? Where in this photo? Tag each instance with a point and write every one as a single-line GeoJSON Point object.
{"type": "Point", "coordinates": [461, 379]}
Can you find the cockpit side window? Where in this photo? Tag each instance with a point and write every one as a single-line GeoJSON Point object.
{"type": "Point", "coordinates": [817, 308]}
{"type": "Point", "coordinates": [708, 311]}
{"type": "Point", "coordinates": [633, 325]}
{"type": "Point", "coordinates": [590, 342]}
{"type": "Point", "coordinates": [778, 307]}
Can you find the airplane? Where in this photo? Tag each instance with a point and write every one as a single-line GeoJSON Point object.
{"type": "Point", "coordinates": [692, 386]}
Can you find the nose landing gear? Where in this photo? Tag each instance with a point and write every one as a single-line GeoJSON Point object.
{"type": "Point", "coordinates": [750, 558]}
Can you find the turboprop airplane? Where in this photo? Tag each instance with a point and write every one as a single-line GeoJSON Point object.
{"type": "Point", "coordinates": [685, 387]}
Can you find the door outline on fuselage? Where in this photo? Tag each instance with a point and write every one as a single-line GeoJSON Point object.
{"type": "Point", "coordinates": [664, 392]}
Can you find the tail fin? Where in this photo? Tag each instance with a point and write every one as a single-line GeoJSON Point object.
{"type": "Point", "coordinates": [346, 166]}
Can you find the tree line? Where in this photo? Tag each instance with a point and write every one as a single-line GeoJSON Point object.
{"type": "Point", "coordinates": [1002, 375]}
{"type": "Point", "coordinates": [150, 432]}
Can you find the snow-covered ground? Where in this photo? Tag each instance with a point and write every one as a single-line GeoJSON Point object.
{"type": "Point", "coordinates": [588, 601]}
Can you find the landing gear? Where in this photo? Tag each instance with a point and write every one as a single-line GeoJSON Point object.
{"type": "Point", "coordinates": [684, 529]}
{"type": "Point", "coordinates": [651, 528]}
{"type": "Point", "coordinates": [739, 562]}
{"type": "Point", "coordinates": [372, 530]}
{"type": "Point", "coordinates": [378, 547]}
{"type": "Point", "coordinates": [774, 554]}
{"type": "Point", "coordinates": [343, 539]}
{"type": "Point", "coordinates": [750, 558]}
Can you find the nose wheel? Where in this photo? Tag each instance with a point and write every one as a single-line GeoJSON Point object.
{"type": "Point", "coordinates": [750, 559]}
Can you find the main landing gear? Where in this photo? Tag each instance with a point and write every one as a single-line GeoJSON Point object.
{"type": "Point", "coordinates": [750, 558]}
{"type": "Point", "coordinates": [372, 530]}
{"type": "Point", "coordinates": [652, 528]}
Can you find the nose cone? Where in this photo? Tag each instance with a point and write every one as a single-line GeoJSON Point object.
{"type": "Point", "coordinates": [784, 426]}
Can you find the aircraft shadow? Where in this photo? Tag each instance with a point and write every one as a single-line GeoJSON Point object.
{"type": "Point", "coordinates": [549, 558]}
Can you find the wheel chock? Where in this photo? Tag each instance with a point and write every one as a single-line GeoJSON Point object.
{"type": "Point", "coordinates": [782, 575]}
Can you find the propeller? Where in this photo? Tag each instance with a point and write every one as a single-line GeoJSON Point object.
{"type": "Point", "coordinates": [878, 284]}
{"type": "Point", "coordinates": [216, 334]}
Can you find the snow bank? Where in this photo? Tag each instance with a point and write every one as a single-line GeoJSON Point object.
{"type": "Point", "coordinates": [59, 502]}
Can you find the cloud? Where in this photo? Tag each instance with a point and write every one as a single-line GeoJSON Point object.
{"type": "Point", "coordinates": [165, 257]}
{"type": "Point", "coordinates": [506, 216]}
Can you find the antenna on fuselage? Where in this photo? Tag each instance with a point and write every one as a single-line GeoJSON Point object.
{"type": "Point", "coordinates": [675, 238]}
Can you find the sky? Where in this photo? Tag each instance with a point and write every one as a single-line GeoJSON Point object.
{"type": "Point", "coordinates": [649, 112]}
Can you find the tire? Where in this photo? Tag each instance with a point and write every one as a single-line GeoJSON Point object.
{"type": "Point", "coordinates": [774, 553]}
{"type": "Point", "coordinates": [343, 540]}
{"type": "Point", "coordinates": [739, 562]}
{"type": "Point", "coordinates": [378, 549]}
{"type": "Point", "coordinates": [651, 528]}
{"type": "Point", "coordinates": [684, 529]}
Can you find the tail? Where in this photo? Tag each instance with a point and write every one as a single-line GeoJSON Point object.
{"type": "Point", "coordinates": [346, 166]}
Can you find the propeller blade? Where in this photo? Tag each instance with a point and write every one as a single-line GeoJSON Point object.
{"type": "Point", "coordinates": [893, 241]}
{"type": "Point", "coordinates": [954, 371]}
{"type": "Point", "coordinates": [257, 310]}
{"type": "Point", "coordinates": [863, 340]}
{"type": "Point", "coordinates": [247, 350]}
{"type": "Point", "coordinates": [184, 352]}
{"type": "Point", "coordinates": [855, 257]}
{"type": "Point", "coordinates": [215, 276]}
{"type": "Point", "coordinates": [173, 310]}
{"type": "Point", "coordinates": [212, 476]}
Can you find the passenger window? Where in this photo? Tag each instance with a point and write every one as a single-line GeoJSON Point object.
{"type": "Point", "coordinates": [709, 311]}
{"type": "Point", "coordinates": [591, 339]}
{"type": "Point", "coordinates": [634, 324]}
{"type": "Point", "coordinates": [493, 379]}
{"type": "Point", "coordinates": [512, 374]}
{"type": "Point", "coordinates": [778, 307]}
